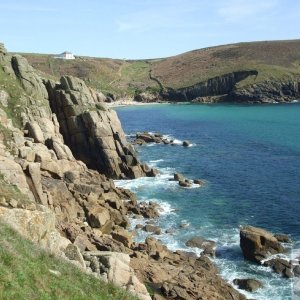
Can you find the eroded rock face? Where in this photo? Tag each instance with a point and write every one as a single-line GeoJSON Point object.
{"type": "Point", "coordinates": [216, 86]}
{"type": "Point", "coordinates": [115, 267]}
{"type": "Point", "coordinates": [92, 131]}
{"type": "Point", "coordinates": [257, 244]}
{"type": "Point", "coordinates": [37, 226]}
{"type": "Point", "coordinates": [179, 275]}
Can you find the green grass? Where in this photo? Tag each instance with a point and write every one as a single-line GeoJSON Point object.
{"type": "Point", "coordinates": [25, 274]}
{"type": "Point", "coordinates": [16, 100]}
{"type": "Point", "coordinates": [278, 60]}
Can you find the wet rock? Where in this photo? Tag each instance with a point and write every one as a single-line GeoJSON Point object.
{"type": "Point", "coordinates": [186, 183]}
{"type": "Point", "coordinates": [185, 143]}
{"type": "Point", "coordinates": [296, 271]}
{"type": "Point", "coordinates": [283, 238]}
{"type": "Point", "coordinates": [179, 177]}
{"type": "Point", "coordinates": [152, 228]}
{"type": "Point", "coordinates": [199, 181]}
{"type": "Point", "coordinates": [257, 244]}
{"type": "Point", "coordinates": [280, 266]}
{"type": "Point", "coordinates": [208, 246]}
{"type": "Point", "coordinates": [250, 285]}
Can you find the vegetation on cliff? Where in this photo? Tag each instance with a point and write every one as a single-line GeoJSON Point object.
{"type": "Point", "coordinates": [27, 272]}
{"type": "Point", "coordinates": [273, 61]}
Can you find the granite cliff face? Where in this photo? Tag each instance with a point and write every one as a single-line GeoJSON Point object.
{"type": "Point", "coordinates": [92, 131]}
{"type": "Point", "coordinates": [217, 86]}
{"type": "Point", "coordinates": [72, 207]}
{"type": "Point", "coordinates": [225, 89]}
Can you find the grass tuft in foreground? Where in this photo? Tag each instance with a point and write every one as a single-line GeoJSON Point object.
{"type": "Point", "coordinates": [26, 272]}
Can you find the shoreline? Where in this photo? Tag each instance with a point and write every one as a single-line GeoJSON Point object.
{"type": "Point", "coordinates": [127, 102]}
{"type": "Point", "coordinates": [130, 102]}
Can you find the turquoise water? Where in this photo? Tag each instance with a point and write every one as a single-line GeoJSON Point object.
{"type": "Point", "coordinates": [249, 157]}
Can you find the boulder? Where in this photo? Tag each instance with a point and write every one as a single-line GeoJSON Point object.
{"type": "Point", "coordinates": [257, 244]}
{"type": "Point", "coordinates": [185, 143]}
{"type": "Point", "coordinates": [98, 216]}
{"type": "Point", "coordinates": [208, 246]}
{"type": "Point", "coordinates": [72, 252]}
{"type": "Point", "coordinates": [186, 183]}
{"type": "Point", "coordinates": [121, 235]}
{"type": "Point", "coordinates": [179, 177]}
{"type": "Point", "coordinates": [250, 285]}
{"type": "Point", "coordinates": [115, 267]}
{"type": "Point", "coordinates": [296, 271]}
{"type": "Point", "coordinates": [152, 228]}
{"type": "Point", "coordinates": [283, 238]}
{"type": "Point", "coordinates": [199, 181]}
{"type": "Point", "coordinates": [280, 266]}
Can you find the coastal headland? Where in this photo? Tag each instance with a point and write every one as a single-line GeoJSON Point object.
{"type": "Point", "coordinates": [60, 150]}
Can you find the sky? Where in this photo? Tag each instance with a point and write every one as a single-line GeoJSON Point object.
{"type": "Point", "coordinates": [135, 29]}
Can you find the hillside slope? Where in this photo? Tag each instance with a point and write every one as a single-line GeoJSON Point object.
{"type": "Point", "coordinates": [27, 272]}
{"type": "Point", "coordinates": [274, 68]}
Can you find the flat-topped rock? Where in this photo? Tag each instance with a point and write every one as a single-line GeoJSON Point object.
{"type": "Point", "coordinates": [257, 243]}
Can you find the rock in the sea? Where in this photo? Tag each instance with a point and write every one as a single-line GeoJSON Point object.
{"type": "Point", "coordinates": [186, 183]}
{"type": "Point", "coordinates": [179, 177]}
{"type": "Point", "coordinates": [250, 285]}
{"type": "Point", "coordinates": [296, 271]}
{"type": "Point", "coordinates": [152, 228]}
{"type": "Point", "coordinates": [280, 266]}
{"type": "Point", "coordinates": [283, 238]}
{"type": "Point", "coordinates": [198, 181]}
{"type": "Point", "coordinates": [257, 244]}
{"type": "Point", "coordinates": [208, 246]}
{"type": "Point", "coordinates": [185, 143]}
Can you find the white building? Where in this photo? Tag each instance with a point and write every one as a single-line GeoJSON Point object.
{"type": "Point", "coordinates": [66, 55]}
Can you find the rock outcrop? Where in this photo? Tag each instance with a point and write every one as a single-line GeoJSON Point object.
{"type": "Point", "coordinates": [115, 267]}
{"type": "Point", "coordinates": [257, 244]}
{"type": "Point", "coordinates": [92, 131]}
{"type": "Point", "coordinates": [225, 89]}
{"type": "Point", "coordinates": [217, 86]}
{"type": "Point", "coordinates": [179, 275]}
{"type": "Point", "coordinates": [266, 92]}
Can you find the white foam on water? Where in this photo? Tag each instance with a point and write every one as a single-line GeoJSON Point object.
{"type": "Point", "coordinates": [177, 142]}
{"type": "Point", "coordinates": [154, 163]}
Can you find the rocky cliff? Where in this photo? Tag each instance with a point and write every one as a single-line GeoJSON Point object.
{"type": "Point", "coordinates": [225, 89]}
{"type": "Point", "coordinates": [92, 131]}
{"type": "Point", "coordinates": [216, 86]}
{"type": "Point", "coordinates": [72, 207]}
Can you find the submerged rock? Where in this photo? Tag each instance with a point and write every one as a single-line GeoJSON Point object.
{"type": "Point", "coordinates": [250, 285]}
{"type": "Point", "coordinates": [280, 266]}
{"type": "Point", "coordinates": [208, 246]}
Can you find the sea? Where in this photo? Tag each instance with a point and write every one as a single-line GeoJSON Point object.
{"type": "Point", "coordinates": [249, 158]}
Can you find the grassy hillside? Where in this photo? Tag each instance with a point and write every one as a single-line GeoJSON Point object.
{"type": "Point", "coordinates": [272, 60]}
{"type": "Point", "coordinates": [29, 273]}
